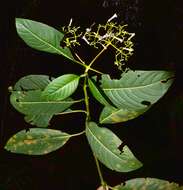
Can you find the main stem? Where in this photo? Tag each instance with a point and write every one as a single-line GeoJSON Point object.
{"type": "Point", "coordinates": [99, 172]}
{"type": "Point", "coordinates": [86, 97]}
{"type": "Point", "coordinates": [87, 120]}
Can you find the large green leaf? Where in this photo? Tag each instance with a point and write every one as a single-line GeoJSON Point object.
{"type": "Point", "coordinates": [148, 184]}
{"type": "Point", "coordinates": [41, 37]}
{"type": "Point", "coordinates": [61, 87]}
{"type": "Point", "coordinates": [97, 93]}
{"type": "Point", "coordinates": [37, 141]}
{"type": "Point", "coordinates": [134, 93]}
{"type": "Point", "coordinates": [38, 111]}
{"type": "Point", "coordinates": [105, 145]}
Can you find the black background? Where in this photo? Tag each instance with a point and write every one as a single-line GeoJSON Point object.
{"type": "Point", "coordinates": [156, 138]}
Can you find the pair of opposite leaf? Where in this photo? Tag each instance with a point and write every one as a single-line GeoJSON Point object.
{"type": "Point", "coordinates": [131, 95]}
{"type": "Point", "coordinates": [126, 98]}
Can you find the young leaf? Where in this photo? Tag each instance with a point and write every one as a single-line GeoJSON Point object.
{"type": "Point", "coordinates": [148, 184]}
{"type": "Point", "coordinates": [105, 145]}
{"type": "Point", "coordinates": [61, 87]}
{"type": "Point", "coordinates": [137, 91]}
{"type": "Point", "coordinates": [33, 82]}
{"type": "Point", "coordinates": [41, 37]}
{"type": "Point", "coordinates": [96, 93]}
{"type": "Point", "coordinates": [37, 141]}
{"type": "Point", "coordinates": [112, 115]}
{"type": "Point", "coordinates": [37, 110]}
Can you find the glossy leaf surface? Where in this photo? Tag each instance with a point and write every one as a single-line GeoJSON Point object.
{"type": "Point", "coordinates": [36, 141]}
{"type": "Point", "coordinates": [134, 93]}
{"type": "Point", "coordinates": [105, 145]}
{"type": "Point", "coordinates": [41, 37]}
{"type": "Point", "coordinates": [148, 184]}
{"type": "Point", "coordinates": [61, 87]}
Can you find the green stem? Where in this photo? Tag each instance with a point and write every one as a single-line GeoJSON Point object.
{"type": "Point", "coordinates": [79, 58]}
{"type": "Point", "coordinates": [99, 172]}
{"type": "Point", "coordinates": [72, 111]}
{"type": "Point", "coordinates": [78, 62]}
{"type": "Point", "coordinates": [86, 97]}
{"type": "Point", "coordinates": [80, 100]}
{"type": "Point", "coordinates": [87, 119]}
{"type": "Point", "coordinates": [77, 134]}
{"type": "Point", "coordinates": [86, 66]}
{"type": "Point", "coordinates": [96, 71]}
{"type": "Point", "coordinates": [97, 56]}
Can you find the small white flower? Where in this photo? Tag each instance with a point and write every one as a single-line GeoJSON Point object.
{"type": "Point", "coordinates": [88, 29]}
{"type": "Point", "coordinates": [70, 22]}
{"type": "Point", "coordinates": [84, 38]}
{"type": "Point", "coordinates": [113, 17]}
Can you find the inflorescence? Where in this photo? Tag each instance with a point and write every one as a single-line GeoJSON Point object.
{"type": "Point", "coordinates": [103, 36]}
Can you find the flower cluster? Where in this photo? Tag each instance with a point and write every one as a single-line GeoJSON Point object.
{"type": "Point", "coordinates": [103, 36]}
{"type": "Point", "coordinates": [72, 35]}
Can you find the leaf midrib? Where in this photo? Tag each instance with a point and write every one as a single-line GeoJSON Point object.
{"type": "Point", "coordinates": [47, 138]}
{"type": "Point", "coordinates": [46, 102]}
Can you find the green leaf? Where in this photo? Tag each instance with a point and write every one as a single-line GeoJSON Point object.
{"type": "Point", "coordinates": [134, 93]}
{"type": "Point", "coordinates": [37, 110]}
{"type": "Point", "coordinates": [41, 37]}
{"type": "Point", "coordinates": [112, 115]}
{"type": "Point", "coordinates": [37, 141]}
{"type": "Point", "coordinates": [33, 82]}
{"type": "Point", "coordinates": [105, 145]}
{"type": "Point", "coordinates": [148, 184]}
{"type": "Point", "coordinates": [97, 93]}
{"type": "Point", "coordinates": [61, 87]}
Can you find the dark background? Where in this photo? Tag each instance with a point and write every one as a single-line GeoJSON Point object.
{"type": "Point", "coordinates": [156, 138]}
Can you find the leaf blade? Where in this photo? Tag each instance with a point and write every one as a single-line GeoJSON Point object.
{"type": "Point", "coordinates": [37, 141]}
{"type": "Point", "coordinates": [136, 91]}
{"type": "Point", "coordinates": [41, 37]}
{"type": "Point", "coordinates": [105, 145]}
{"type": "Point", "coordinates": [96, 93]}
{"type": "Point", "coordinates": [61, 87]}
{"type": "Point", "coordinates": [111, 115]}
